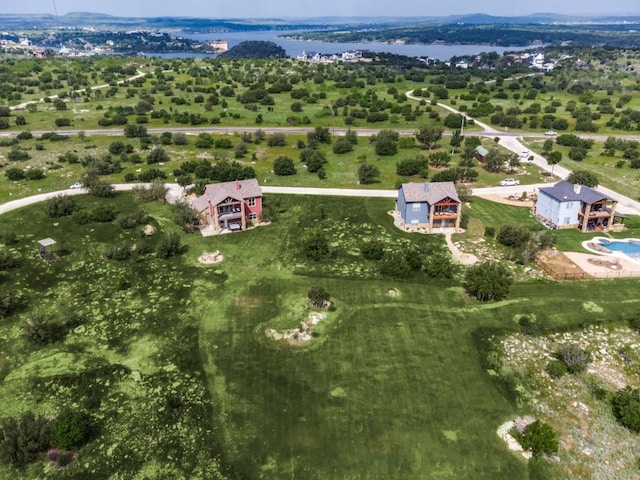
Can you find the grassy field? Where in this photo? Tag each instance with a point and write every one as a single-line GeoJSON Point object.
{"type": "Point", "coordinates": [171, 360]}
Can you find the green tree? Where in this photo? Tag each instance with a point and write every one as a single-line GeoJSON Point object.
{"type": "Point", "coordinates": [386, 142]}
{"type": "Point", "coordinates": [157, 155]}
{"type": "Point", "coordinates": [583, 177]}
{"type": "Point", "coordinates": [554, 158]}
{"type": "Point", "coordinates": [494, 160]}
{"type": "Point", "coordinates": [368, 174]}
{"type": "Point", "coordinates": [284, 166]}
{"type": "Point", "coordinates": [342, 145]}
{"type": "Point", "coordinates": [429, 135]}
{"type": "Point", "coordinates": [488, 281]}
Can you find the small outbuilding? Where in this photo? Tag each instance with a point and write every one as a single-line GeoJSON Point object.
{"type": "Point", "coordinates": [47, 249]}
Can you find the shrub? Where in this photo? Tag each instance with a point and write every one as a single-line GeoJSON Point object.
{"type": "Point", "coordinates": [556, 368]}
{"type": "Point", "coordinates": [10, 302]}
{"type": "Point", "coordinates": [394, 265]}
{"type": "Point", "coordinates": [62, 122]}
{"type": "Point", "coordinates": [104, 214]}
{"type": "Point", "coordinates": [489, 231]}
{"type": "Point", "coordinates": [315, 244]}
{"type": "Point", "coordinates": [488, 281]}
{"type": "Point", "coordinates": [25, 135]}
{"type": "Point", "coordinates": [22, 439]}
{"type": "Point", "coordinates": [41, 331]}
{"type": "Point", "coordinates": [61, 206]}
{"type": "Point", "coordinates": [575, 358]}
{"type": "Point", "coordinates": [118, 252]}
{"type": "Point", "coordinates": [14, 174]}
{"type": "Point", "coordinates": [539, 438]}
{"type": "Point", "coordinates": [132, 220]}
{"type": "Point", "coordinates": [7, 260]}
{"type": "Point", "coordinates": [372, 250]}
{"type": "Point", "coordinates": [318, 296]}
{"type": "Point", "coordinates": [70, 430]}
{"type": "Point", "coordinates": [513, 236]}
{"type": "Point", "coordinates": [34, 174]}
{"type": "Point", "coordinates": [633, 321]}
{"type": "Point", "coordinates": [439, 265]}
{"type": "Point", "coordinates": [170, 246]}
{"type": "Point", "coordinates": [626, 408]}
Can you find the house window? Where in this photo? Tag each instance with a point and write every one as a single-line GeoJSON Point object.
{"type": "Point", "coordinates": [252, 202]}
{"type": "Point", "coordinates": [415, 207]}
{"type": "Point", "coordinates": [415, 222]}
{"type": "Point", "coordinates": [567, 220]}
{"type": "Point", "coordinates": [253, 216]}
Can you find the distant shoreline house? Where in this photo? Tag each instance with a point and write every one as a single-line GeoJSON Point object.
{"type": "Point", "coordinates": [429, 206]}
{"type": "Point", "coordinates": [565, 205]}
{"type": "Point", "coordinates": [230, 205]}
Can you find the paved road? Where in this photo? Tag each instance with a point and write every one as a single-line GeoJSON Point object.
{"type": "Point", "coordinates": [175, 193]}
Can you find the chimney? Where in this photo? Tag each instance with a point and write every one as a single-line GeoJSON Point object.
{"type": "Point", "coordinates": [426, 188]}
{"type": "Point", "coordinates": [237, 185]}
{"type": "Point", "coordinates": [577, 188]}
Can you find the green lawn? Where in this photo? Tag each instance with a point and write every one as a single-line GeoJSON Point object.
{"type": "Point", "coordinates": [174, 351]}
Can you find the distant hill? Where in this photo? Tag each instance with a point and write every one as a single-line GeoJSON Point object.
{"type": "Point", "coordinates": [100, 20]}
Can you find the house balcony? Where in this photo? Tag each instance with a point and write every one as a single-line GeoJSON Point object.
{"type": "Point", "coordinates": [604, 213]}
{"type": "Point", "coordinates": [445, 215]}
{"type": "Point", "coordinates": [230, 216]}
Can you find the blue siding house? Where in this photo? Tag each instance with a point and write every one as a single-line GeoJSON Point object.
{"type": "Point", "coordinates": [429, 206]}
{"type": "Point", "coordinates": [565, 205]}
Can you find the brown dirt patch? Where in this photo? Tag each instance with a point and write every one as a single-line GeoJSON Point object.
{"type": "Point", "coordinates": [508, 201]}
{"type": "Point", "coordinates": [555, 262]}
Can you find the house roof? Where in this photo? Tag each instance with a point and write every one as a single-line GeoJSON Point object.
{"type": "Point", "coordinates": [431, 193]}
{"type": "Point", "coordinates": [480, 150]}
{"type": "Point", "coordinates": [564, 191]}
{"type": "Point", "coordinates": [218, 192]}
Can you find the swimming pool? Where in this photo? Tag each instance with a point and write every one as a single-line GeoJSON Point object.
{"type": "Point", "coordinates": [628, 248]}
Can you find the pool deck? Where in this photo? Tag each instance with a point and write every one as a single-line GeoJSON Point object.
{"type": "Point", "coordinates": [628, 267]}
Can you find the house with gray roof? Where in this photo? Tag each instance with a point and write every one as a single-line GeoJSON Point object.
{"type": "Point", "coordinates": [565, 205]}
{"type": "Point", "coordinates": [230, 205]}
{"type": "Point", "coordinates": [430, 206]}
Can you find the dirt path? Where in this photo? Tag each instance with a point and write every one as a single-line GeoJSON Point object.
{"type": "Point", "coordinates": [457, 254]}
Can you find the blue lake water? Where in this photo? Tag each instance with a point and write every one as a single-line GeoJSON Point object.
{"type": "Point", "coordinates": [296, 47]}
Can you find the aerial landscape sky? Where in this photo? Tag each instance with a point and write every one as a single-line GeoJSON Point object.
{"type": "Point", "coordinates": [315, 8]}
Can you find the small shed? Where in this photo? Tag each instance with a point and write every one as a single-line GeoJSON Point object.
{"type": "Point", "coordinates": [47, 249]}
{"type": "Point", "coordinates": [481, 153]}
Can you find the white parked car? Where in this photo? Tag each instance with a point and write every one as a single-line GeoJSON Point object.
{"type": "Point", "coordinates": [524, 154]}
{"type": "Point", "coordinates": [551, 133]}
{"type": "Point", "coordinates": [77, 185]}
{"type": "Point", "coordinates": [509, 182]}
